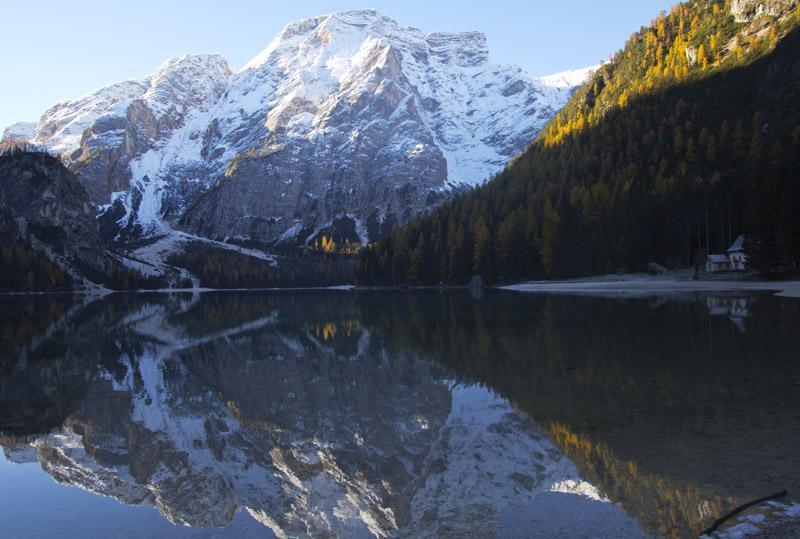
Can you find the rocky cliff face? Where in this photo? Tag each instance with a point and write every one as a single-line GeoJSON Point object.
{"type": "Point", "coordinates": [369, 123]}
{"type": "Point", "coordinates": [105, 134]}
{"type": "Point", "coordinates": [42, 203]}
{"type": "Point", "coordinates": [348, 122]}
{"type": "Point", "coordinates": [748, 10]}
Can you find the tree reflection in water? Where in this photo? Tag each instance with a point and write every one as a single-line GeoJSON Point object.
{"type": "Point", "coordinates": [409, 413]}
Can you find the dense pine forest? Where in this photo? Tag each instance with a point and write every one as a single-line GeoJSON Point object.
{"type": "Point", "coordinates": [687, 138]}
{"type": "Point", "coordinates": [26, 269]}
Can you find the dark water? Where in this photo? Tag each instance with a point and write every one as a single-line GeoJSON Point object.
{"type": "Point", "coordinates": [411, 414]}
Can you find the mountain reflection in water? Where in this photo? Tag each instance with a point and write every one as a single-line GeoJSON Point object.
{"type": "Point", "coordinates": [408, 414]}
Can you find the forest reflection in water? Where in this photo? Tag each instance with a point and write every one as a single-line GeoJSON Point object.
{"type": "Point", "coordinates": [409, 413]}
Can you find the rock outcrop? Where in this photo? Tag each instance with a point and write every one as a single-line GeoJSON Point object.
{"type": "Point", "coordinates": [42, 203]}
{"type": "Point", "coordinates": [748, 10]}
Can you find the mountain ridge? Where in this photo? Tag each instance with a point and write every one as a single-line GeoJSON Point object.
{"type": "Point", "coordinates": [400, 118]}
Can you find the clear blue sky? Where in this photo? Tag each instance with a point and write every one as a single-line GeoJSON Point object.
{"type": "Point", "coordinates": [55, 50]}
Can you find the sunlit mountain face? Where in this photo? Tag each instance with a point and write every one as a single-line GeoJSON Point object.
{"type": "Point", "coordinates": [349, 123]}
{"type": "Point", "coordinates": [401, 414]}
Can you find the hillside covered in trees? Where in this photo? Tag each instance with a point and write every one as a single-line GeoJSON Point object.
{"type": "Point", "coordinates": [687, 138]}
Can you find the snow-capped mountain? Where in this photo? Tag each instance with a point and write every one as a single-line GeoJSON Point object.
{"type": "Point", "coordinates": [19, 132]}
{"type": "Point", "coordinates": [348, 121]}
{"type": "Point", "coordinates": [105, 134]}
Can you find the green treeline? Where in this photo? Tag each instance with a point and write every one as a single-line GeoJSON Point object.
{"type": "Point", "coordinates": [689, 137]}
{"type": "Point", "coordinates": [221, 268]}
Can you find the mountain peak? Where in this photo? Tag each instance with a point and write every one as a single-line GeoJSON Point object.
{"type": "Point", "coordinates": [347, 30]}
{"type": "Point", "coordinates": [187, 80]}
{"type": "Point", "coordinates": [188, 61]}
{"type": "Point", "coordinates": [175, 86]}
{"type": "Point", "coordinates": [341, 29]}
{"type": "Point", "coordinates": [358, 16]}
{"type": "Point", "coordinates": [359, 121]}
{"type": "Point", "coordinates": [19, 132]}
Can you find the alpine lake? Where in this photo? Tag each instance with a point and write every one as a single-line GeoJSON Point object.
{"type": "Point", "coordinates": [394, 413]}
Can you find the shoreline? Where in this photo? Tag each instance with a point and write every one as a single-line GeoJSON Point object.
{"type": "Point", "coordinates": [621, 286]}
{"type": "Point", "coordinates": [199, 290]}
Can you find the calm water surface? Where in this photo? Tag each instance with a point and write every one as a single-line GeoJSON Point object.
{"type": "Point", "coordinates": [411, 414]}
